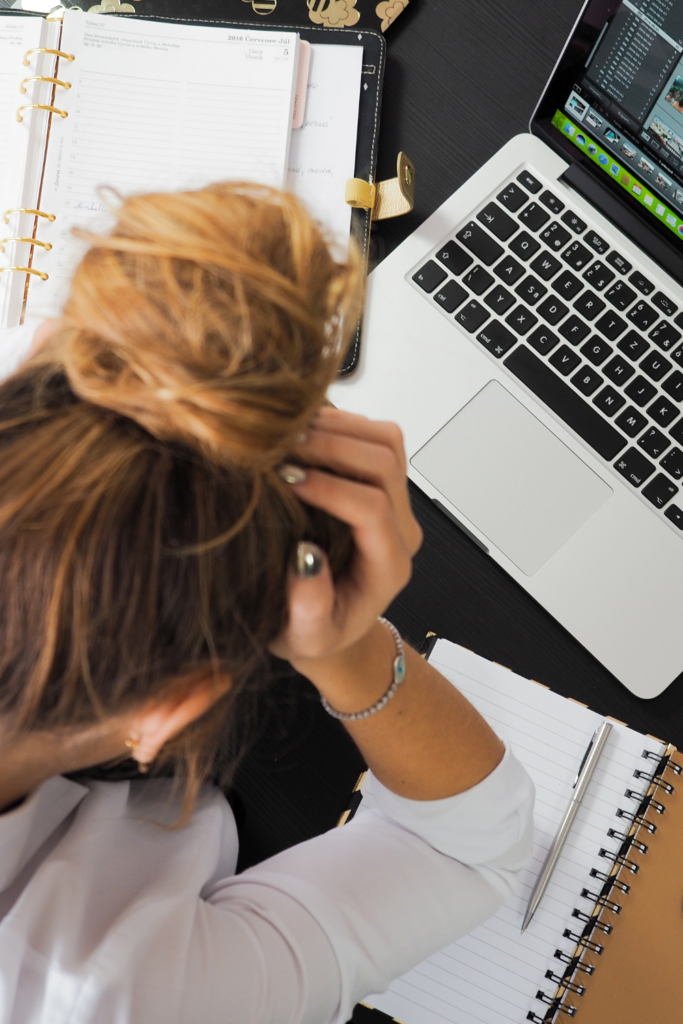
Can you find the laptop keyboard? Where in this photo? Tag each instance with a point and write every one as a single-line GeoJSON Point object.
{"type": "Point", "coordinates": [569, 317]}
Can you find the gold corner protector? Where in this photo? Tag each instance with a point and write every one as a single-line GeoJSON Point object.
{"type": "Point", "coordinates": [617, 721]}
{"type": "Point", "coordinates": [344, 818]}
{"type": "Point", "coordinates": [579, 702]}
{"type": "Point", "coordinates": [361, 779]}
{"type": "Point", "coordinates": [545, 687]}
{"type": "Point", "coordinates": [655, 738]}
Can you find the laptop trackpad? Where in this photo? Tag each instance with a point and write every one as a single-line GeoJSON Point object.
{"type": "Point", "coordinates": [511, 477]}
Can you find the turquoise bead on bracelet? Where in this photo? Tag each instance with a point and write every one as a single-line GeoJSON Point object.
{"type": "Point", "coordinates": [398, 676]}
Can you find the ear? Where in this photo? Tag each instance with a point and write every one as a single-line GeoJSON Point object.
{"type": "Point", "coordinates": [160, 722]}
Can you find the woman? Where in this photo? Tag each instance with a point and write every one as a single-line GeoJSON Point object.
{"type": "Point", "coordinates": [176, 501]}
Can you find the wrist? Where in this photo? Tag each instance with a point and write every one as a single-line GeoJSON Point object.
{"type": "Point", "coordinates": [355, 677]}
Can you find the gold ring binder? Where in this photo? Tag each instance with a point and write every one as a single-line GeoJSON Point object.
{"type": "Point", "coordinates": [25, 270]}
{"type": "Point", "coordinates": [43, 78]}
{"type": "Point", "coordinates": [31, 241]}
{"type": "Point", "coordinates": [40, 106]}
{"type": "Point", "coordinates": [25, 209]}
{"type": "Point", "coordinates": [46, 49]}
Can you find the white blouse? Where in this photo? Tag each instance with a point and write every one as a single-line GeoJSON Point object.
{"type": "Point", "coordinates": [108, 917]}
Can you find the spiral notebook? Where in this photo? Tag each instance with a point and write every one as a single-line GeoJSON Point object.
{"type": "Point", "coordinates": [606, 944]}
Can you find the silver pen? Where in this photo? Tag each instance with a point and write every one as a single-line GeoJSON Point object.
{"type": "Point", "coordinates": [585, 774]}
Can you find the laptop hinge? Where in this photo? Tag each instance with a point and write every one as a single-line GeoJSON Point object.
{"type": "Point", "coordinates": [611, 207]}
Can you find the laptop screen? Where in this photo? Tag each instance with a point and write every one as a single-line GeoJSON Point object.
{"type": "Point", "coordinates": [615, 103]}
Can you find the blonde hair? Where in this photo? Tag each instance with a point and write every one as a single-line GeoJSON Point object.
{"type": "Point", "coordinates": [144, 531]}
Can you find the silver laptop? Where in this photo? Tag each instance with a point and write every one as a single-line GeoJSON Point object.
{"type": "Point", "coordinates": [528, 338]}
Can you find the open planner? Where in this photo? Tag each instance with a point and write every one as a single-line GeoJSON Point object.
{"type": "Point", "coordinates": [606, 943]}
{"type": "Point", "coordinates": [99, 105]}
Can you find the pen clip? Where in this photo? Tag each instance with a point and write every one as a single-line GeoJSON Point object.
{"type": "Point", "coordinates": [585, 758]}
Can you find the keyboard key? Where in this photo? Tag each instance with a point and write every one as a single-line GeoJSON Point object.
{"type": "Point", "coordinates": [482, 245]}
{"type": "Point", "coordinates": [640, 391]}
{"type": "Point", "coordinates": [673, 385]}
{"type": "Point", "coordinates": [567, 285]}
{"type": "Point", "coordinates": [521, 320]}
{"type": "Point", "coordinates": [471, 316]}
{"type": "Point", "coordinates": [546, 265]}
{"type": "Point", "coordinates": [555, 236]}
{"type": "Point", "coordinates": [660, 491]}
{"type": "Point", "coordinates": [565, 402]}
{"type": "Point", "coordinates": [618, 370]}
{"type": "Point", "coordinates": [497, 339]}
{"type": "Point", "coordinates": [512, 197]}
{"type": "Point", "coordinates": [499, 299]}
{"type": "Point", "coordinates": [675, 514]}
{"type": "Point", "coordinates": [678, 320]}
{"type": "Point", "coordinates": [598, 275]}
{"type": "Point", "coordinates": [509, 270]}
{"type": "Point", "coordinates": [596, 350]}
{"type": "Point", "coordinates": [633, 345]}
{"type": "Point", "coordinates": [524, 246]}
{"type": "Point", "coordinates": [618, 262]}
{"type": "Point", "coordinates": [574, 330]}
{"type": "Point", "coordinates": [429, 276]}
{"type": "Point", "coordinates": [673, 463]}
{"type": "Point", "coordinates": [552, 310]}
{"type": "Point", "coordinates": [528, 180]}
{"type": "Point", "coordinates": [587, 380]}
{"type": "Point", "coordinates": [611, 325]}
{"type": "Point", "coordinates": [573, 221]}
{"type": "Point", "coordinates": [665, 335]}
{"type": "Point", "coordinates": [450, 296]}
{"type": "Point", "coordinates": [531, 290]}
{"type": "Point", "coordinates": [565, 360]}
{"type": "Point", "coordinates": [644, 286]}
{"type": "Point", "coordinates": [663, 302]}
{"type": "Point", "coordinates": [534, 216]}
{"type": "Point", "coordinates": [663, 411]}
{"type": "Point", "coordinates": [631, 421]}
{"type": "Point", "coordinates": [453, 257]}
{"type": "Point", "coordinates": [677, 355]}
{"type": "Point", "coordinates": [655, 366]}
{"type": "Point", "coordinates": [577, 256]}
{"type": "Point", "coordinates": [589, 305]}
{"type": "Point", "coordinates": [551, 201]}
{"type": "Point", "coordinates": [654, 442]}
{"type": "Point", "coordinates": [643, 315]}
{"type": "Point", "coordinates": [620, 295]}
{"type": "Point", "coordinates": [497, 221]}
{"type": "Point", "coordinates": [634, 466]}
{"type": "Point", "coordinates": [609, 400]}
{"type": "Point", "coordinates": [543, 340]}
{"type": "Point", "coordinates": [677, 431]}
{"type": "Point", "coordinates": [478, 280]}
{"type": "Point", "coordinates": [598, 244]}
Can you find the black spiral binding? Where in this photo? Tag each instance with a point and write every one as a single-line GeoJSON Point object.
{"type": "Point", "coordinates": [587, 940]}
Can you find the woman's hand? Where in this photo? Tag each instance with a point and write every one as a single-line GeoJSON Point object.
{"type": "Point", "coordinates": [369, 493]}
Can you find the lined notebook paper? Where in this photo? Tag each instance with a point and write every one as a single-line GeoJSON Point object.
{"type": "Point", "coordinates": [492, 976]}
{"type": "Point", "coordinates": [156, 106]}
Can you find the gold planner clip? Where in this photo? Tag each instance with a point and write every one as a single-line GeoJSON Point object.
{"type": "Point", "coordinates": [40, 106]}
{"type": "Point", "coordinates": [24, 209]}
{"type": "Point", "coordinates": [31, 241]}
{"type": "Point", "coordinates": [43, 78]}
{"type": "Point", "coordinates": [46, 49]}
{"type": "Point", "coordinates": [387, 198]}
{"type": "Point", "coordinates": [25, 270]}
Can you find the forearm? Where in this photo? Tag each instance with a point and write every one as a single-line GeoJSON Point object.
{"type": "Point", "coordinates": [428, 742]}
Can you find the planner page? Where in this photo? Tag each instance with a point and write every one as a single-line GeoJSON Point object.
{"type": "Point", "coordinates": [323, 152]}
{"type": "Point", "coordinates": [158, 106]}
{"type": "Point", "coordinates": [493, 975]}
{"type": "Point", "coordinates": [22, 144]}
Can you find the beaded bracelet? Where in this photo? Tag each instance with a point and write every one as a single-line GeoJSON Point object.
{"type": "Point", "coordinates": [398, 676]}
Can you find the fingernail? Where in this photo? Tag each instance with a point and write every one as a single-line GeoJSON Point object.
{"type": "Point", "coordinates": [309, 559]}
{"type": "Point", "coordinates": [292, 474]}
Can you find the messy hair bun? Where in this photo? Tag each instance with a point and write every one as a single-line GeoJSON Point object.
{"type": "Point", "coordinates": [227, 338]}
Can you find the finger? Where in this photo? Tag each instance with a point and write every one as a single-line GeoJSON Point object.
{"type": "Point", "coordinates": [310, 625]}
{"type": "Point", "coordinates": [370, 463]}
{"type": "Point", "coordinates": [353, 425]}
